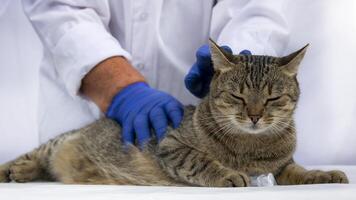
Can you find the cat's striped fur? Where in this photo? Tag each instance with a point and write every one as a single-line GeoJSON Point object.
{"type": "Point", "coordinates": [243, 127]}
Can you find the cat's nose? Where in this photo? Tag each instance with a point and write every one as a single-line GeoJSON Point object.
{"type": "Point", "coordinates": [255, 118]}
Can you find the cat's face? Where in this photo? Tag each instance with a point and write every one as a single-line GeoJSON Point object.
{"type": "Point", "coordinates": [254, 93]}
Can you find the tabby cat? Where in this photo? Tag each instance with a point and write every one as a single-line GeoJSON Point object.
{"type": "Point", "coordinates": [243, 128]}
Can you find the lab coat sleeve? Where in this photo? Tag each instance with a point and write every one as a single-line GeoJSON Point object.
{"type": "Point", "coordinates": [259, 26]}
{"type": "Point", "coordinates": [75, 32]}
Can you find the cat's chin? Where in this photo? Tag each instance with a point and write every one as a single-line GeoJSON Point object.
{"type": "Point", "coordinates": [254, 129]}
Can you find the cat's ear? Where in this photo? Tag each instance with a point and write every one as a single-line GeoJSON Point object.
{"type": "Point", "coordinates": [290, 63]}
{"type": "Point", "coordinates": [221, 59]}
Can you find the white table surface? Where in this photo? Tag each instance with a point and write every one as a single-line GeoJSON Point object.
{"type": "Point", "coordinates": [45, 191]}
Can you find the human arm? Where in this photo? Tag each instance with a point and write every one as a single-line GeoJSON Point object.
{"type": "Point", "coordinates": [88, 59]}
{"type": "Point", "coordinates": [108, 78]}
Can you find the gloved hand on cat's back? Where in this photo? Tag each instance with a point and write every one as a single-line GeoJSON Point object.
{"type": "Point", "coordinates": [197, 81]}
{"type": "Point", "coordinates": [138, 108]}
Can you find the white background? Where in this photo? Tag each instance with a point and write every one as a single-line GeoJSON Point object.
{"type": "Point", "coordinates": [20, 55]}
{"type": "Point", "coordinates": [326, 114]}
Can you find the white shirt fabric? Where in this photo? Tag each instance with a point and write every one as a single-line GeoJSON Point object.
{"type": "Point", "coordinates": [159, 38]}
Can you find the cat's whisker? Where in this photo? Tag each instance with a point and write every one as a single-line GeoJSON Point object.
{"type": "Point", "coordinates": [277, 131]}
{"type": "Point", "coordinates": [286, 125]}
{"type": "Point", "coordinates": [219, 127]}
{"type": "Point", "coordinates": [285, 130]}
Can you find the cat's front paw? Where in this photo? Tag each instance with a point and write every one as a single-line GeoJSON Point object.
{"type": "Point", "coordinates": [23, 171]}
{"type": "Point", "coordinates": [235, 179]}
{"type": "Point", "coordinates": [4, 174]}
{"type": "Point", "coordinates": [317, 176]}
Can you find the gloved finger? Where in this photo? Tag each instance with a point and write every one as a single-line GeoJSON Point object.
{"type": "Point", "coordinates": [128, 132]}
{"type": "Point", "coordinates": [245, 52]}
{"type": "Point", "coordinates": [204, 90]}
{"type": "Point", "coordinates": [227, 48]}
{"type": "Point", "coordinates": [159, 122]}
{"type": "Point", "coordinates": [193, 81]}
{"type": "Point", "coordinates": [205, 67]}
{"type": "Point", "coordinates": [193, 74]}
{"type": "Point", "coordinates": [203, 61]}
{"type": "Point", "coordinates": [174, 111]}
{"type": "Point", "coordinates": [128, 136]}
{"type": "Point", "coordinates": [142, 129]}
{"type": "Point", "coordinates": [141, 105]}
{"type": "Point", "coordinates": [203, 53]}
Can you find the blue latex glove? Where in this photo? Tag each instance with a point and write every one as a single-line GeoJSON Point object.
{"type": "Point", "coordinates": [197, 81]}
{"type": "Point", "coordinates": [138, 108]}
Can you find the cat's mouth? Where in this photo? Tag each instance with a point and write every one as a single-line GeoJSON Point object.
{"type": "Point", "coordinates": [253, 128]}
{"type": "Point", "coordinates": [256, 128]}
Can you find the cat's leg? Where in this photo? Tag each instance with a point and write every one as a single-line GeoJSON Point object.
{"type": "Point", "coordinates": [189, 165]}
{"type": "Point", "coordinates": [4, 173]}
{"type": "Point", "coordinates": [294, 174]}
{"type": "Point", "coordinates": [34, 165]}
{"type": "Point", "coordinates": [25, 168]}
{"type": "Point", "coordinates": [69, 164]}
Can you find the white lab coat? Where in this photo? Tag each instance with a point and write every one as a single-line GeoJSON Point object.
{"type": "Point", "coordinates": [159, 38]}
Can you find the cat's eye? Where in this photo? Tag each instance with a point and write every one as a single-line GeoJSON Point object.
{"type": "Point", "coordinates": [238, 98]}
{"type": "Point", "coordinates": [273, 99]}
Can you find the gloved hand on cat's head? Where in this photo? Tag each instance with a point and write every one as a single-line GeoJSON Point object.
{"type": "Point", "coordinates": [138, 108]}
{"type": "Point", "coordinates": [197, 81]}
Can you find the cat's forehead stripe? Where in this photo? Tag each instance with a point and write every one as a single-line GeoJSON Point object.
{"type": "Point", "coordinates": [257, 67]}
{"type": "Point", "coordinates": [257, 58]}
